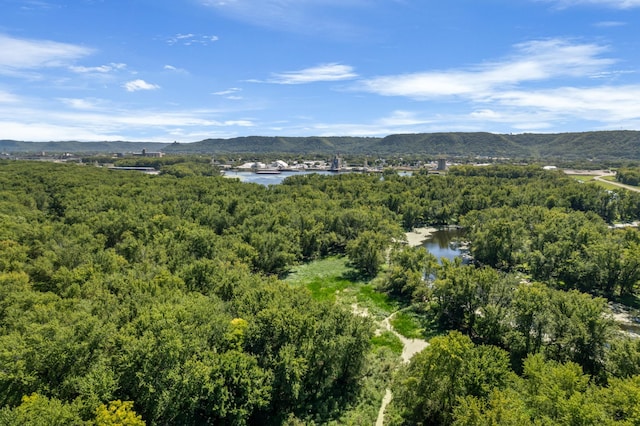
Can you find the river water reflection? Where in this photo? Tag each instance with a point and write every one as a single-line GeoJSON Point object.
{"type": "Point", "coordinates": [445, 243]}
{"type": "Point", "coordinates": [270, 179]}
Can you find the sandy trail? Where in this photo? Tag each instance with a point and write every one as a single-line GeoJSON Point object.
{"type": "Point", "coordinates": [409, 349]}
{"type": "Point", "coordinates": [410, 346]}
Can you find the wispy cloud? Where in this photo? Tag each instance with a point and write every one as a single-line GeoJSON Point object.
{"type": "Point", "coordinates": [175, 69]}
{"type": "Point", "coordinates": [231, 93]}
{"type": "Point", "coordinates": [137, 85]}
{"type": "Point", "coordinates": [318, 17]}
{"type": "Point", "coordinates": [609, 24]}
{"type": "Point", "coordinates": [101, 69]}
{"type": "Point", "coordinates": [81, 104]}
{"type": "Point", "coordinates": [616, 4]}
{"type": "Point", "coordinates": [95, 119]}
{"type": "Point", "coordinates": [604, 103]}
{"type": "Point", "coordinates": [26, 54]}
{"type": "Point", "coordinates": [535, 61]}
{"type": "Point", "coordinates": [191, 39]}
{"type": "Point", "coordinates": [7, 97]}
{"type": "Point", "coordinates": [324, 72]}
{"type": "Point", "coordinates": [38, 5]}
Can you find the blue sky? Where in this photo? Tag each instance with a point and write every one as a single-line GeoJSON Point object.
{"type": "Point", "coordinates": [186, 70]}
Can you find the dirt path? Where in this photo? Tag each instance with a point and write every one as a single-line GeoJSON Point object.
{"type": "Point", "coordinates": [410, 347]}
{"type": "Point", "coordinates": [385, 401]}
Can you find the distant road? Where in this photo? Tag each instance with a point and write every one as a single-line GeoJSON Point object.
{"type": "Point", "coordinates": [599, 174]}
{"type": "Point", "coordinates": [621, 185]}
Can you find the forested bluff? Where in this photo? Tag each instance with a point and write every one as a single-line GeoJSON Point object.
{"type": "Point", "coordinates": [134, 299]}
{"type": "Point", "coordinates": [598, 145]}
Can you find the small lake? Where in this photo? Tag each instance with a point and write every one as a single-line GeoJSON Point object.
{"type": "Point", "coordinates": [443, 243]}
{"type": "Point", "coordinates": [270, 179]}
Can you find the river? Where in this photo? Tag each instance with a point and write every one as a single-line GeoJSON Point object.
{"type": "Point", "coordinates": [270, 179]}
{"type": "Point", "coordinates": [277, 178]}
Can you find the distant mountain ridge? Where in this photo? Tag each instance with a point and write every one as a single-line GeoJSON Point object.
{"type": "Point", "coordinates": [602, 145]}
{"type": "Point", "coordinates": [12, 146]}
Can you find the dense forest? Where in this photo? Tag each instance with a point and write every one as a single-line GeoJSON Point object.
{"type": "Point", "coordinates": [599, 146]}
{"type": "Point", "coordinates": [134, 299]}
{"type": "Point", "coordinates": [628, 176]}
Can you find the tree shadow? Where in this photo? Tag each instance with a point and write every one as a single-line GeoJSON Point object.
{"type": "Point", "coordinates": [356, 276]}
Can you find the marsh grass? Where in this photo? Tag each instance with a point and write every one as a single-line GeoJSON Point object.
{"type": "Point", "coordinates": [408, 324]}
{"type": "Point", "coordinates": [332, 279]}
{"type": "Point", "coordinates": [389, 340]}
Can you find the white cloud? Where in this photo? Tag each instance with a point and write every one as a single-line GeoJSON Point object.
{"type": "Point", "coordinates": [175, 70]}
{"type": "Point", "coordinates": [610, 24]}
{"type": "Point", "coordinates": [609, 104]}
{"type": "Point", "coordinates": [137, 85]}
{"type": "Point", "coordinates": [102, 69]}
{"type": "Point", "coordinates": [81, 104]}
{"type": "Point", "coordinates": [324, 72]}
{"type": "Point", "coordinates": [229, 91]}
{"type": "Point", "coordinates": [7, 97]}
{"type": "Point", "coordinates": [191, 39]}
{"type": "Point", "coordinates": [39, 131]}
{"type": "Point", "coordinates": [98, 119]}
{"type": "Point", "coordinates": [19, 54]}
{"type": "Point", "coordinates": [535, 61]}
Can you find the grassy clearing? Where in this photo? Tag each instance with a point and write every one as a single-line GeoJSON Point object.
{"type": "Point", "coordinates": [408, 324]}
{"type": "Point", "coordinates": [608, 186]}
{"type": "Point", "coordinates": [388, 340]}
{"type": "Point", "coordinates": [591, 179]}
{"type": "Point", "coordinates": [415, 324]}
{"type": "Point", "coordinates": [583, 178]}
{"type": "Point", "coordinates": [378, 304]}
{"type": "Point", "coordinates": [332, 279]}
{"type": "Point", "coordinates": [323, 278]}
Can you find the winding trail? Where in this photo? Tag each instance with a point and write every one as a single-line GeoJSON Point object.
{"type": "Point", "coordinates": [410, 347]}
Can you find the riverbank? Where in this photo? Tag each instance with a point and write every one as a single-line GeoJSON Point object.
{"type": "Point", "coordinates": [417, 236]}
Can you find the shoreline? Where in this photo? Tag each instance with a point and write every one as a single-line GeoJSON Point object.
{"type": "Point", "coordinates": [417, 236]}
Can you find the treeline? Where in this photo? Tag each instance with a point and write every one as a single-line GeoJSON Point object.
{"type": "Point", "coordinates": [628, 176]}
{"type": "Point", "coordinates": [158, 299]}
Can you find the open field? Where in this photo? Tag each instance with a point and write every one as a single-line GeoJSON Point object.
{"type": "Point", "coordinates": [332, 279]}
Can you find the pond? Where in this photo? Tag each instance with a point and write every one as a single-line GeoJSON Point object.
{"type": "Point", "coordinates": [446, 243]}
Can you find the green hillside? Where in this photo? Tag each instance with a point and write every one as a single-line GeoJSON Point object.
{"type": "Point", "coordinates": [585, 145]}
{"type": "Point", "coordinates": [603, 145]}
